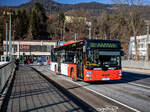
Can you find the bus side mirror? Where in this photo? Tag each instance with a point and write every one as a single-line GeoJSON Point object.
{"type": "Point", "coordinates": [84, 49]}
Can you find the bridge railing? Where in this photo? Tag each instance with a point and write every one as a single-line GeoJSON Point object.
{"type": "Point", "coordinates": [5, 72]}
{"type": "Point", "coordinates": [135, 64]}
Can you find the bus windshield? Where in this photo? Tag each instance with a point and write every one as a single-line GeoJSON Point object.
{"type": "Point", "coordinates": [97, 58]}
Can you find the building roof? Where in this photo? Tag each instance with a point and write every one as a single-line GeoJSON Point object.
{"type": "Point", "coordinates": [33, 42]}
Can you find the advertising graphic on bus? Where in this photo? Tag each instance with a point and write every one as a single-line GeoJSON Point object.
{"type": "Point", "coordinates": [88, 60]}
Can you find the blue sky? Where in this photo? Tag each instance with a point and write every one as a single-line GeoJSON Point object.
{"type": "Point", "coordinates": [78, 1]}
{"type": "Point", "coordinates": [18, 2]}
{"type": "Point", "coordinates": [12, 2]}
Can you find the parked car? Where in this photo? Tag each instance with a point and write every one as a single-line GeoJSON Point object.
{"type": "Point", "coordinates": [39, 62]}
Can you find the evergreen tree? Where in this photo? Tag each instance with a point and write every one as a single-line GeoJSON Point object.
{"type": "Point", "coordinates": [21, 24]}
{"type": "Point", "coordinates": [34, 25]}
{"type": "Point", "coordinates": [25, 23]}
{"type": "Point", "coordinates": [38, 24]}
{"type": "Point", "coordinates": [18, 25]}
{"type": "Point", "coordinates": [2, 30]}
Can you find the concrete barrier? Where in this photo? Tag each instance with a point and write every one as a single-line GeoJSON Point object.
{"type": "Point", "coordinates": [136, 64]}
{"type": "Point", "coordinates": [5, 72]}
{"type": "Point", "coordinates": [2, 63]}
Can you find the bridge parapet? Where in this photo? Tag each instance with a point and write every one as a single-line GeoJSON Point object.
{"type": "Point", "coordinates": [6, 70]}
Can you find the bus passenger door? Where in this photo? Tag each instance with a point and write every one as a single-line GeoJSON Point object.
{"type": "Point", "coordinates": [80, 64]}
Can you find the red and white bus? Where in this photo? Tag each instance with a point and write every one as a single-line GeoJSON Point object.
{"type": "Point", "coordinates": [88, 60]}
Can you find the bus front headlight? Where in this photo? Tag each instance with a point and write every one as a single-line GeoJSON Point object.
{"type": "Point", "coordinates": [120, 73]}
{"type": "Point", "coordinates": [88, 74]}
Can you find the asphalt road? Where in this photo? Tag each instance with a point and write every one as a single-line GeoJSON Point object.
{"type": "Point", "coordinates": [132, 91]}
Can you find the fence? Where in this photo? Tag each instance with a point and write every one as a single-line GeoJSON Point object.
{"type": "Point", "coordinates": [5, 72]}
{"type": "Point", "coordinates": [135, 64]}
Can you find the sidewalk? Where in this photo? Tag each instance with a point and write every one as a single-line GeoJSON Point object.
{"type": "Point", "coordinates": [31, 92]}
{"type": "Point", "coordinates": [143, 71]}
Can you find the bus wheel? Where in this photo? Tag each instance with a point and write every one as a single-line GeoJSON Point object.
{"type": "Point", "coordinates": [72, 74]}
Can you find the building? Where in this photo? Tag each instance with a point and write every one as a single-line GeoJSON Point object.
{"type": "Point", "coordinates": [36, 49]}
{"type": "Point", "coordinates": [71, 19]}
{"type": "Point", "coordinates": [143, 46]}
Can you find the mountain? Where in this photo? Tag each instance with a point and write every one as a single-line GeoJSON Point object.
{"type": "Point", "coordinates": [94, 8]}
{"type": "Point", "coordinates": [54, 7]}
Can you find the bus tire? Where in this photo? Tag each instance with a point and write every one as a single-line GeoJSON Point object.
{"type": "Point", "coordinates": [71, 74]}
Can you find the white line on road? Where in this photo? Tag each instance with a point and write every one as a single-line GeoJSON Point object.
{"type": "Point", "coordinates": [106, 97]}
{"type": "Point", "coordinates": [139, 85]}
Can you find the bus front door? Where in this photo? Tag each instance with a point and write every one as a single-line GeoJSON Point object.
{"type": "Point", "coordinates": [80, 64]}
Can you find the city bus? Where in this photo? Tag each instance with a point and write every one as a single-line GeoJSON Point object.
{"type": "Point", "coordinates": [88, 60]}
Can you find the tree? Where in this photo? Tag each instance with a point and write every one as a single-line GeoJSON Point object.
{"type": "Point", "coordinates": [119, 27]}
{"type": "Point", "coordinates": [25, 23]}
{"type": "Point", "coordinates": [105, 23]}
{"type": "Point", "coordinates": [51, 27]}
{"type": "Point", "coordinates": [2, 30]}
{"type": "Point", "coordinates": [78, 24]}
{"type": "Point", "coordinates": [134, 18]}
{"type": "Point", "coordinates": [21, 24]}
{"type": "Point", "coordinates": [95, 27]}
{"type": "Point", "coordinates": [60, 23]}
{"type": "Point", "coordinates": [34, 25]}
{"type": "Point", "coordinates": [38, 22]}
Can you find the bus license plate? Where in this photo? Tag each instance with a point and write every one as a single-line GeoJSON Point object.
{"type": "Point", "coordinates": [105, 79]}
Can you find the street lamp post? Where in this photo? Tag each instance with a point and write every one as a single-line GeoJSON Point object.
{"type": "Point", "coordinates": [90, 33]}
{"type": "Point", "coordinates": [75, 37]}
{"type": "Point", "coordinates": [147, 41]}
{"type": "Point", "coordinates": [64, 31]}
{"type": "Point", "coordinates": [10, 39]}
{"type": "Point", "coordinates": [6, 41]}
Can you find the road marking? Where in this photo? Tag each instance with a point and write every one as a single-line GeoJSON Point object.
{"type": "Point", "coordinates": [103, 95]}
{"type": "Point", "coordinates": [139, 85]}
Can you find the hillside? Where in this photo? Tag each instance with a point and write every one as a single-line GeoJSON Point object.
{"type": "Point", "coordinates": [54, 7]}
{"type": "Point", "coordinates": [94, 8]}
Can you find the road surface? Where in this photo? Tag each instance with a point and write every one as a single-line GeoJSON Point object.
{"type": "Point", "coordinates": [133, 91]}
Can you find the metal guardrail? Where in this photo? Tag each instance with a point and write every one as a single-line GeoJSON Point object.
{"type": "Point", "coordinates": [136, 64]}
{"type": "Point", "coordinates": [5, 72]}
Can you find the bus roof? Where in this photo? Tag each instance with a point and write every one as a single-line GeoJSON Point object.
{"type": "Point", "coordinates": [117, 42]}
{"type": "Point", "coordinates": [102, 40]}
{"type": "Point", "coordinates": [70, 42]}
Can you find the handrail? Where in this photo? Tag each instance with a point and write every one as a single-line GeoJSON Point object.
{"type": "Point", "coordinates": [1, 66]}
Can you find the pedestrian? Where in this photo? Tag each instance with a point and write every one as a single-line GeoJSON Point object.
{"type": "Point", "coordinates": [17, 63]}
